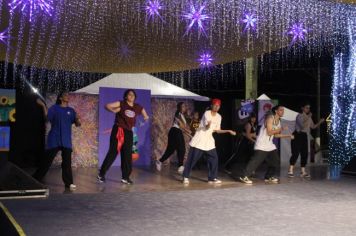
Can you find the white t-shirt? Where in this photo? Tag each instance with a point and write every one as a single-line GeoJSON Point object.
{"type": "Point", "coordinates": [264, 142]}
{"type": "Point", "coordinates": [203, 138]}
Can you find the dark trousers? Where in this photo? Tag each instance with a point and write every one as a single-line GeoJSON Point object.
{"type": "Point", "coordinates": [299, 145]}
{"type": "Point", "coordinates": [194, 155]}
{"type": "Point", "coordinates": [126, 153]}
{"type": "Point", "coordinates": [272, 159]}
{"type": "Point", "coordinates": [46, 163]}
{"type": "Point", "coordinates": [175, 143]}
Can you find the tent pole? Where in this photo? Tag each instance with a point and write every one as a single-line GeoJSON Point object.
{"type": "Point", "coordinates": [251, 77]}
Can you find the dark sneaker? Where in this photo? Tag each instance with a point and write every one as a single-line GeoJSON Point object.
{"type": "Point", "coordinates": [126, 181]}
{"type": "Point", "coordinates": [101, 179]}
{"type": "Point", "coordinates": [272, 180]}
{"type": "Point", "coordinates": [245, 180]}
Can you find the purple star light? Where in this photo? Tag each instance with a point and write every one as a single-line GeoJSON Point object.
{"type": "Point", "coordinates": [4, 36]}
{"type": "Point", "coordinates": [125, 52]}
{"type": "Point", "coordinates": [196, 16]}
{"type": "Point", "coordinates": [298, 32]}
{"type": "Point", "coordinates": [152, 8]}
{"type": "Point", "coordinates": [205, 60]}
{"type": "Point", "coordinates": [249, 21]}
{"type": "Point", "coordinates": [32, 5]}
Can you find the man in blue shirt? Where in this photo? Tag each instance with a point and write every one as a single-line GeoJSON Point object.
{"type": "Point", "coordinates": [61, 117]}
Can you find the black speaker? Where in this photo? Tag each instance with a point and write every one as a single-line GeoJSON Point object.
{"type": "Point", "coordinates": [16, 183]}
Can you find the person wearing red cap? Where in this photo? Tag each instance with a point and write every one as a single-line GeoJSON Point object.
{"type": "Point", "coordinates": [203, 143]}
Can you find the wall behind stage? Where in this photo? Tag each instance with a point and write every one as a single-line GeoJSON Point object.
{"type": "Point", "coordinates": [106, 121]}
{"type": "Point", "coordinates": [162, 120]}
{"type": "Point", "coordinates": [84, 138]}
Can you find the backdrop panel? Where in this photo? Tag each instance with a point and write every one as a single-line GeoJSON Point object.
{"type": "Point", "coordinates": [106, 121]}
{"type": "Point", "coordinates": [84, 138]}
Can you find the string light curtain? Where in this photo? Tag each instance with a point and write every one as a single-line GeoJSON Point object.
{"type": "Point", "coordinates": [161, 35]}
{"type": "Point", "coordinates": [343, 116]}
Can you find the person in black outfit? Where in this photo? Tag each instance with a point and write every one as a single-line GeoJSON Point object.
{"type": "Point", "coordinates": [176, 140]}
{"type": "Point", "coordinates": [121, 138]}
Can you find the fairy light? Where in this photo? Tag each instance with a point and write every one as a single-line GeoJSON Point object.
{"type": "Point", "coordinates": [343, 126]}
{"type": "Point", "coordinates": [32, 6]}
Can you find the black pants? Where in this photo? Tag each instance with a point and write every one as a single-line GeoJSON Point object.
{"type": "Point", "coordinates": [194, 155]}
{"type": "Point", "coordinates": [46, 163]}
{"type": "Point", "coordinates": [175, 143]}
{"type": "Point", "coordinates": [272, 159]}
{"type": "Point", "coordinates": [299, 145]}
{"type": "Point", "coordinates": [126, 153]}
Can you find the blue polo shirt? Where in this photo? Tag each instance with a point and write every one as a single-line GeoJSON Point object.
{"type": "Point", "coordinates": [61, 119]}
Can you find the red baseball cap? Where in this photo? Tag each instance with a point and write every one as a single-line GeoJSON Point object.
{"type": "Point", "coordinates": [216, 101]}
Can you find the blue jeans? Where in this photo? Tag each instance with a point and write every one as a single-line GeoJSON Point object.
{"type": "Point", "coordinates": [193, 157]}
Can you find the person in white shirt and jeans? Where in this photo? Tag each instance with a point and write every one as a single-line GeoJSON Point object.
{"type": "Point", "coordinates": [203, 143]}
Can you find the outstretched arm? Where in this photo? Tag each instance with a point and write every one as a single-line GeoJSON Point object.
{"type": "Point", "coordinates": [113, 107]}
{"type": "Point", "coordinates": [224, 131]}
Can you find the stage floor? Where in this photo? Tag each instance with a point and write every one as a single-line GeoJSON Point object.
{"type": "Point", "coordinates": [159, 204]}
{"type": "Point", "coordinates": [148, 179]}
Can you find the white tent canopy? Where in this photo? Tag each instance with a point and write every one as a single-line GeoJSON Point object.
{"type": "Point", "coordinates": [159, 88]}
{"type": "Point", "coordinates": [289, 114]}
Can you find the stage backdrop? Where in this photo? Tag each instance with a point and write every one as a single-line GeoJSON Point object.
{"type": "Point", "coordinates": [142, 130]}
{"type": "Point", "coordinates": [85, 137]}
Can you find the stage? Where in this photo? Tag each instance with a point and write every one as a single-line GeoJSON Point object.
{"type": "Point", "coordinates": [159, 204]}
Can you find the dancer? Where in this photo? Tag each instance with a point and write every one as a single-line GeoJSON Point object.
{"type": "Point", "coordinates": [299, 145]}
{"type": "Point", "coordinates": [203, 143]}
{"type": "Point", "coordinates": [121, 138]}
{"type": "Point", "coordinates": [61, 117]}
{"type": "Point", "coordinates": [245, 147]}
{"type": "Point", "coordinates": [176, 140]}
{"type": "Point", "coordinates": [194, 123]}
{"type": "Point", "coordinates": [265, 149]}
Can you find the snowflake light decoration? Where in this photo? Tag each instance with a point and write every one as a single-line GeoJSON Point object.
{"type": "Point", "coordinates": [32, 6]}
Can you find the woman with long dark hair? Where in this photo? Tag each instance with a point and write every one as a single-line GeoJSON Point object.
{"type": "Point", "coordinates": [121, 138]}
{"type": "Point", "coordinates": [176, 140]}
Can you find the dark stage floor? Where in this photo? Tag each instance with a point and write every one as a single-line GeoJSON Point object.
{"type": "Point", "coordinates": [158, 204]}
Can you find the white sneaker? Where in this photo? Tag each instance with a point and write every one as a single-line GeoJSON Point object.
{"type": "Point", "coordinates": [180, 170]}
{"type": "Point", "coordinates": [158, 165]}
{"type": "Point", "coordinates": [185, 181]}
{"type": "Point", "coordinates": [72, 187]}
{"type": "Point", "coordinates": [245, 180]}
{"type": "Point", "coordinates": [272, 180]}
{"type": "Point", "coordinates": [215, 181]}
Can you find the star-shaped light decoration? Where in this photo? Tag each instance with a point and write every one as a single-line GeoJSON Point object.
{"type": "Point", "coordinates": [152, 9]}
{"type": "Point", "coordinates": [4, 36]}
{"type": "Point", "coordinates": [196, 16]}
{"type": "Point", "coordinates": [206, 59]}
{"type": "Point", "coordinates": [124, 51]}
{"type": "Point", "coordinates": [32, 6]}
{"type": "Point", "coordinates": [250, 21]}
{"type": "Point", "coordinates": [298, 32]}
